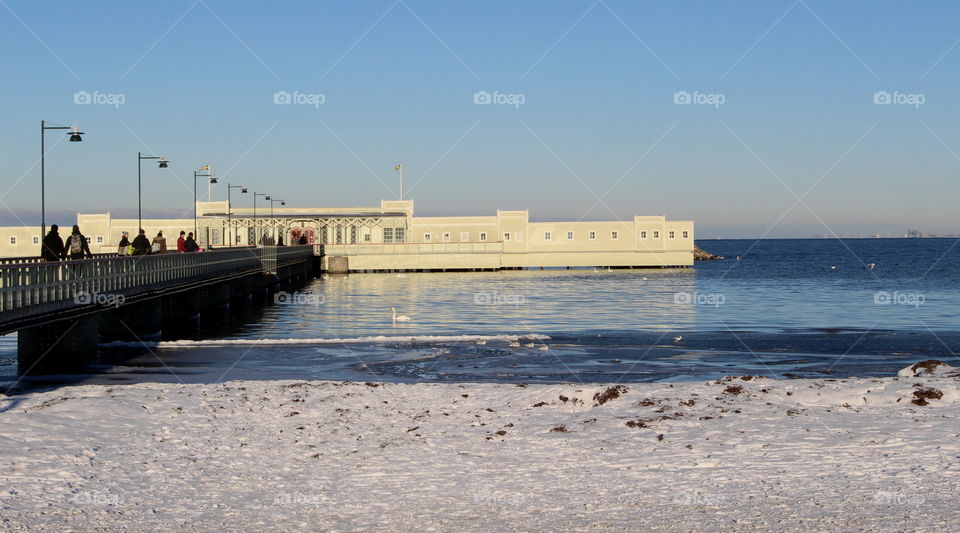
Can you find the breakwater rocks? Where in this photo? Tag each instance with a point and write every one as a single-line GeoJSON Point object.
{"type": "Point", "coordinates": [702, 255]}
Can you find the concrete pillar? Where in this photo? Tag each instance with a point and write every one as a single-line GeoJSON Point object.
{"type": "Point", "coordinates": [60, 347]}
{"type": "Point", "coordinates": [180, 314]}
{"type": "Point", "coordinates": [136, 321]}
{"type": "Point", "coordinates": [215, 295]}
{"type": "Point", "coordinates": [338, 265]}
{"type": "Point", "coordinates": [241, 289]}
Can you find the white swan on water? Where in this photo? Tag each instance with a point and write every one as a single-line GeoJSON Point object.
{"type": "Point", "coordinates": [399, 318]}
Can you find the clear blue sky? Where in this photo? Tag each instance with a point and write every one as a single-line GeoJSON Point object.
{"type": "Point", "coordinates": [598, 119]}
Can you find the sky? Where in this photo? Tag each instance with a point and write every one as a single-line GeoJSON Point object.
{"type": "Point", "coordinates": [753, 119]}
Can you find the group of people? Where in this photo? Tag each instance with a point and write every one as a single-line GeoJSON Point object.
{"type": "Point", "coordinates": [143, 246]}
{"type": "Point", "coordinates": [54, 249]}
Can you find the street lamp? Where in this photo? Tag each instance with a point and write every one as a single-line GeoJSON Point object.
{"type": "Point", "coordinates": [256, 237]}
{"type": "Point", "coordinates": [229, 218]}
{"type": "Point", "coordinates": [74, 138]}
{"type": "Point", "coordinates": [162, 163]}
{"type": "Point", "coordinates": [196, 174]}
{"type": "Point", "coordinates": [272, 221]}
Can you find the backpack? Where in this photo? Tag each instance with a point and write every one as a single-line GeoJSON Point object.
{"type": "Point", "coordinates": [76, 244]}
{"type": "Point", "coordinates": [155, 248]}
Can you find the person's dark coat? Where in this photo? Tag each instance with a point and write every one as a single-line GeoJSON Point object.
{"type": "Point", "coordinates": [303, 240]}
{"type": "Point", "coordinates": [52, 249]}
{"type": "Point", "coordinates": [84, 247]}
{"type": "Point", "coordinates": [141, 245]}
{"type": "Point", "coordinates": [190, 245]}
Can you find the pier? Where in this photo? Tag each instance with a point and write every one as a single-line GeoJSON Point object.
{"type": "Point", "coordinates": [62, 310]}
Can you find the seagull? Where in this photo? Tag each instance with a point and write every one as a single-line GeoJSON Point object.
{"type": "Point", "coordinates": [543, 347]}
{"type": "Point", "coordinates": [833, 268]}
{"type": "Point", "coordinates": [399, 318]}
{"type": "Point", "coordinates": [528, 345]}
{"type": "Point", "coordinates": [871, 266]}
{"type": "Point", "coordinates": [678, 338]}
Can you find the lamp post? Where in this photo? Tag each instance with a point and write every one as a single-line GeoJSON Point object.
{"type": "Point", "coordinates": [197, 174]}
{"type": "Point", "coordinates": [272, 221]}
{"type": "Point", "coordinates": [162, 163]}
{"type": "Point", "coordinates": [74, 138]}
{"type": "Point", "coordinates": [256, 236]}
{"type": "Point", "coordinates": [229, 218]}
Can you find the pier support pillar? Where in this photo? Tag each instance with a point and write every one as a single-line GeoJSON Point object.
{"type": "Point", "coordinates": [241, 289]}
{"type": "Point", "coordinates": [136, 321]}
{"type": "Point", "coordinates": [60, 347]}
{"type": "Point", "coordinates": [215, 295]}
{"type": "Point", "coordinates": [180, 314]}
{"type": "Point", "coordinates": [338, 264]}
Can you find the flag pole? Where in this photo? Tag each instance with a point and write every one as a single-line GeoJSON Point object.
{"type": "Point", "coordinates": [401, 181]}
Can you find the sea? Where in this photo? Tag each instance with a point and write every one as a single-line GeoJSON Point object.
{"type": "Point", "coordinates": [797, 308]}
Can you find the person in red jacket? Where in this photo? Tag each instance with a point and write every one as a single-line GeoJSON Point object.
{"type": "Point", "coordinates": [180, 241]}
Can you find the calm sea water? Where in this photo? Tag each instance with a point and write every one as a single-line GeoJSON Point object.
{"type": "Point", "coordinates": [785, 308]}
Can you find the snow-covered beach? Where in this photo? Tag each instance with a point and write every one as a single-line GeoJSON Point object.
{"type": "Point", "coordinates": [739, 454]}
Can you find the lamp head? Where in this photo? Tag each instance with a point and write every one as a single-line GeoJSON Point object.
{"type": "Point", "coordinates": [243, 190]}
{"type": "Point", "coordinates": [162, 163]}
{"type": "Point", "coordinates": [266, 197]}
{"type": "Point", "coordinates": [213, 179]}
{"type": "Point", "coordinates": [283, 202]}
{"type": "Point", "coordinates": [75, 135]}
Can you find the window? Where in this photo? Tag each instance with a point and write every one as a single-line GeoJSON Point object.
{"type": "Point", "coordinates": [464, 236]}
{"type": "Point", "coordinates": [36, 240]}
{"type": "Point", "coordinates": [388, 235]}
{"type": "Point", "coordinates": [483, 236]}
{"type": "Point", "coordinates": [517, 236]}
{"type": "Point", "coordinates": [339, 234]}
{"type": "Point", "coordinates": [656, 234]}
{"type": "Point", "coordinates": [686, 234]}
{"type": "Point", "coordinates": [592, 235]}
{"type": "Point", "coordinates": [672, 234]}
{"type": "Point", "coordinates": [427, 237]}
{"type": "Point", "coordinates": [366, 237]}
{"type": "Point", "coordinates": [643, 234]}
{"type": "Point", "coordinates": [547, 236]}
{"type": "Point", "coordinates": [614, 235]}
{"type": "Point", "coordinates": [399, 234]}
{"type": "Point", "coordinates": [506, 236]}
{"type": "Point", "coordinates": [569, 235]}
{"type": "Point", "coordinates": [99, 239]}
{"type": "Point", "coordinates": [215, 236]}
{"type": "Point", "coordinates": [446, 236]}
{"type": "Point", "coordinates": [353, 235]}
{"type": "Point", "coordinates": [13, 240]}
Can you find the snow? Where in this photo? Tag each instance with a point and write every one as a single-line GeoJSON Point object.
{"type": "Point", "coordinates": [732, 455]}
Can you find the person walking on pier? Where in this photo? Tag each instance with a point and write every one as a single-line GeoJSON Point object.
{"type": "Point", "coordinates": [159, 245]}
{"type": "Point", "coordinates": [141, 246]}
{"type": "Point", "coordinates": [180, 242]}
{"type": "Point", "coordinates": [122, 248]}
{"type": "Point", "coordinates": [52, 249]}
{"type": "Point", "coordinates": [76, 246]}
{"type": "Point", "coordinates": [190, 245]}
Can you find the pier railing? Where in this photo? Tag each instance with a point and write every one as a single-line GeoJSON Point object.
{"type": "Point", "coordinates": [37, 287]}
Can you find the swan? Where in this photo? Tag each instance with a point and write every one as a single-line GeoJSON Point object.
{"type": "Point", "coordinates": [515, 344]}
{"type": "Point", "coordinates": [479, 341]}
{"type": "Point", "coordinates": [543, 348]}
{"type": "Point", "coordinates": [528, 345]}
{"type": "Point", "coordinates": [399, 318]}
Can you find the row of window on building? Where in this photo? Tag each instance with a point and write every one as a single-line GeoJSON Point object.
{"type": "Point", "coordinates": [547, 236]}
{"type": "Point", "coordinates": [36, 240]}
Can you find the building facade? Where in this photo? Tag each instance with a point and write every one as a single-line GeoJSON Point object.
{"type": "Point", "coordinates": [390, 237]}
